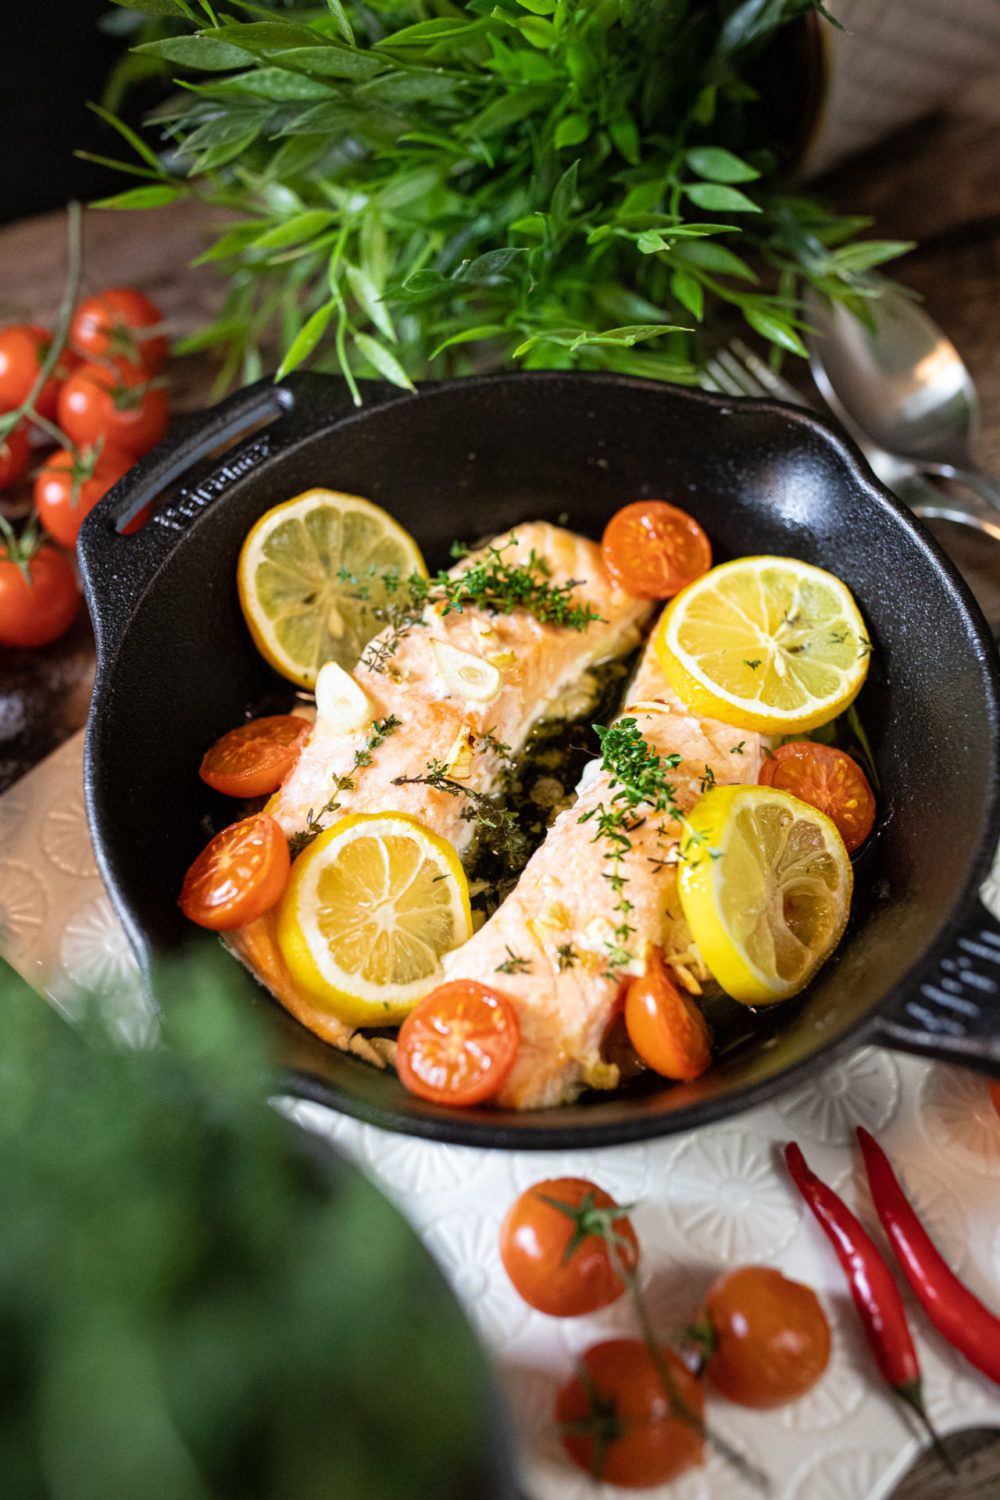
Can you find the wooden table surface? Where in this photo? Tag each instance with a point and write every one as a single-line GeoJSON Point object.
{"type": "Point", "coordinates": [937, 183]}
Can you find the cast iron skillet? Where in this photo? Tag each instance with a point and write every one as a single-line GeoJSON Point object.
{"type": "Point", "coordinates": [920, 968]}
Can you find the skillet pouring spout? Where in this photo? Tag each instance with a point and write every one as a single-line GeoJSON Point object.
{"type": "Point", "coordinates": [919, 965]}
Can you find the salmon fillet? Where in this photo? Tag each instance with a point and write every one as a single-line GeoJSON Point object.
{"type": "Point", "coordinates": [563, 901]}
{"type": "Point", "coordinates": [540, 667]}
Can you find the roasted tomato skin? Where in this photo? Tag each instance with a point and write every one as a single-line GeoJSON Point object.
{"type": "Point", "coordinates": [113, 323]}
{"type": "Point", "coordinates": [37, 612]}
{"type": "Point", "coordinates": [535, 1238]}
{"type": "Point", "coordinates": [253, 759]}
{"type": "Point", "coordinates": [769, 1340]}
{"type": "Point", "coordinates": [664, 1024]}
{"type": "Point", "coordinates": [653, 550]}
{"type": "Point", "coordinates": [656, 1444]}
{"type": "Point", "coordinates": [239, 876]}
{"type": "Point", "coordinates": [828, 779]}
{"type": "Point", "coordinates": [459, 1044]}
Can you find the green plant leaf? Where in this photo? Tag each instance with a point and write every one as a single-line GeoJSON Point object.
{"type": "Point", "coordinates": [156, 7]}
{"type": "Point", "coordinates": [367, 296]}
{"type": "Point", "coordinates": [650, 241]}
{"type": "Point", "coordinates": [534, 29]}
{"type": "Point", "coordinates": [571, 131]}
{"type": "Point", "coordinates": [280, 85]}
{"type": "Point", "coordinates": [563, 196]}
{"type": "Point", "coordinates": [625, 134]}
{"type": "Point", "coordinates": [777, 330]}
{"type": "Point", "coordinates": [329, 62]}
{"type": "Point", "coordinates": [265, 36]}
{"type": "Point", "coordinates": [539, 7]}
{"type": "Point", "coordinates": [383, 361]}
{"type": "Point", "coordinates": [469, 336]}
{"type": "Point", "coordinates": [199, 52]}
{"type": "Point", "coordinates": [719, 165]}
{"type": "Point", "coordinates": [491, 267]}
{"type": "Point", "coordinates": [307, 338]}
{"type": "Point", "coordinates": [719, 199]}
{"type": "Point", "coordinates": [689, 292]}
{"type": "Point", "coordinates": [126, 132]}
{"type": "Point", "coordinates": [867, 253]}
{"type": "Point", "coordinates": [424, 33]}
{"type": "Point", "coordinates": [154, 195]}
{"type": "Point", "coordinates": [295, 230]}
{"type": "Point", "coordinates": [623, 337]}
{"type": "Point", "coordinates": [339, 15]}
{"type": "Point", "coordinates": [712, 257]}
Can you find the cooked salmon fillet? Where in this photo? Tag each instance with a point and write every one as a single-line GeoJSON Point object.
{"type": "Point", "coordinates": [563, 900]}
{"type": "Point", "coordinates": [540, 667]}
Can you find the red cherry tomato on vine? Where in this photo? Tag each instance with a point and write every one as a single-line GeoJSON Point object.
{"type": "Point", "coordinates": [828, 780]}
{"type": "Point", "coordinates": [117, 403]}
{"type": "Point", "coordinates": [114, 324]}
{"type": "Point", "coordinates": [23, 347]}
{"type": "Point", "coordinates": [653, 550]}
{"type": "Point", "coordinates": [58, 508]}
{"type": "Point", "coordinates": [239, 876]}
{"type": "Point", "coordinates": [254, 759]}
{"type": "Point", "coordinates": [15, 455]}
{"type": "Point", "coordinates": [459, 1044]}
{"type": "Point", "coordinates": [35, 612]}
{"type": "Point", "coordinates": [664, 1024]}
{"type": "Point", "coordinates": [769, 1339]}
{"type": "Point", "coordinates": [561, 1263]}
{"type": "Point", "coordinates": [651, 1441]}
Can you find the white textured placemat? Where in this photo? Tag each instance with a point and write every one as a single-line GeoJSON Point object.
{"type": "Point", "coordinates": [710, 1199]}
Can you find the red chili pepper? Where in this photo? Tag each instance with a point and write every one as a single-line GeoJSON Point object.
{"type": "Point", "coordinates": [876, 1295]}
{"type": "Point", "coordinates": [963, 1320]}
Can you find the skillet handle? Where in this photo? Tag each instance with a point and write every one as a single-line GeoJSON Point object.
{"type": "Point", "coordinates": [116, 568]}
{"type": "Point", "coordinates": [954, 1015]}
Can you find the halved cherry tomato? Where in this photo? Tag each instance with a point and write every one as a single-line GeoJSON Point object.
{"type": "Point", "coordinates": [23, 347]}
{"type": "Point", "coordinates": [664, 1024]}
{"type": "Point", "coordinates": [640, 1433]}
{"type": "Point", "coordinates": [59, 509]}
{"type": "Point", "coordinates": [15, 454]}
{"type": "Point", "coordinates": [459, 1044]}
{"type": "Point", "coordinates": [559, 1259]}
{"type": "Point", "coordinates": [36, 612]}
{"type": "Point", "coordinates": [653, 550]}
{"type": "Point", "coordinates": [114, 324]}
{"type": "Point", "coordinates": [828, 779]}
{"type": "Point", "coordinates": [117, 402]}
{"type": "Point", "coordinates": [254, 759]}
{"type": "Point", "coordinates": [995, 1093]}
{"type": "Point", "coordinates": [239, 876]}
{"type": "Point", "coordinates": [768, 1338]}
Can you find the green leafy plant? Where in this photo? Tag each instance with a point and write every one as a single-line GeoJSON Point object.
{"type": "Point", "coordinates": [425, 188]}
{"type": "Point", "coordinates": [194, 1308]}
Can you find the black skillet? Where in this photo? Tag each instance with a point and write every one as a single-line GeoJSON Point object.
{"type": "Point", "coordinates": [919, 968]}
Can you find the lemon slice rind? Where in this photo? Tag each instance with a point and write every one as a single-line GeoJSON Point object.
{"type": "Point", "coordinates": [765, 886]}
{"type": "Point", "coordinates": [765, 643]}
{"type": "Point", "coordinates": [371, 907]}
{"type": "Point", "coordinates": [299, 609]}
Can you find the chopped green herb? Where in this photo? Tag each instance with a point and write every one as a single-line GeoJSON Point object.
{"type": "Point", "coordinates": [753, 665]}
{"type": "Point", "coordinates": [738, 749]}
{"type": "Point", "coordinates": [512, 964]}
{"type": "Point", "coordinates": [380, 731]}
{"type": "Point", "coordinates": [566, 956]}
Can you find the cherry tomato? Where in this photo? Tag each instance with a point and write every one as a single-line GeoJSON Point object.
{"type": "Point", "coordinates": [15, 454]}
{"type": "Point", "coordinates": [995, 1093]}
{"type": "Point", "coordinates": [117, 403]}
{"type": "Point", "coordinates": [114, 324]}
{"type": "Point", "coordinates": [653, 550]}
{"type": "Point", "coordinates": [32, 614]}
{"type": "Point", "coordinates": [459, 1044]}
{"type": "Point", "coordinates": [23, 347]}
{"type": "Point", "coordinates": [655, 1442]}
{"type": "Point", "coordinates": [560, 1262]}
{"type": "Point", "coordinates": [59, 509]}
{"type": "Point", "coordinates": [253, 760]}
{"type": "Point", "coordinates": [769, 1340]}
{"type": "Point", "coordinates": [828, 779]}
{"type": "Point", "coordinates": [239, 876]}
{"type": "Point", "coordinates": [664, 1024]}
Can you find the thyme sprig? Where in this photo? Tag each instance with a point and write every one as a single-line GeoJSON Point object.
{"type": "Point", "coordinates": [486, 811]}
{"type": "Point", "coordinates": [380, 731]}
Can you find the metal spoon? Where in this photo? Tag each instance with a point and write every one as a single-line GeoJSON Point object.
{"type": "Point", "coordinates": [904, 386]}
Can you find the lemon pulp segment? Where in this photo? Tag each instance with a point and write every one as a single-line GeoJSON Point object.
{"type": "Point", "coordinates": [311, 579]}
{"type": "Point", "coordinates": [765, 885]}
{"type": "Point", "coordinates": [371, 908]}
{"type": "Point", "coordinates": [765, 643]}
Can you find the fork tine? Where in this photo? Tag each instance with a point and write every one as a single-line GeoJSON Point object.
{"type": "Point", "coordinates": [744, 381]}
{"type": "Point", "coordinates": [771, 383]}
{"type": "Point", "coordinates": [719, 379]}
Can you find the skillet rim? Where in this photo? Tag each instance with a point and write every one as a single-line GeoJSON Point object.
{"type": "Point", "coordinates": [478, 1128]}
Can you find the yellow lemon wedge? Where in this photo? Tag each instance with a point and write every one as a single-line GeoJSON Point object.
{"type": "Point", "coordinates": [765, 643]}
{"type": "Point", "coordinates": [371, 907]}
{"type": "Point", "coordinates": [765, 885]}
{"type": "Point", "coordinates": [311, 579]}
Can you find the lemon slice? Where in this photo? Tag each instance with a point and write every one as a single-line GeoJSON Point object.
{"type": "Point", "coordinates": [371, 907]}
{"type": "Point", "coordinates": [765, 885]}
{"type": "Point", "coordinates": [309, 579]}
{"type": "Point", "coordinates": [765, 643]}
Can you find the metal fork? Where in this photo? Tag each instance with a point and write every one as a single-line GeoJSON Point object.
{"type": "Point", "coordinates": [736, 370]}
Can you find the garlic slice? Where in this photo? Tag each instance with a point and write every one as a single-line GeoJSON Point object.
{"type": "Point", "coordinates": [464, 674]}
{"type": "Point", "coordinates": [341, 703]}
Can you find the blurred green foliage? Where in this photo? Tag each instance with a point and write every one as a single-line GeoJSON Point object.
{"type": "Point", "coordinates": [194, 1304]}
